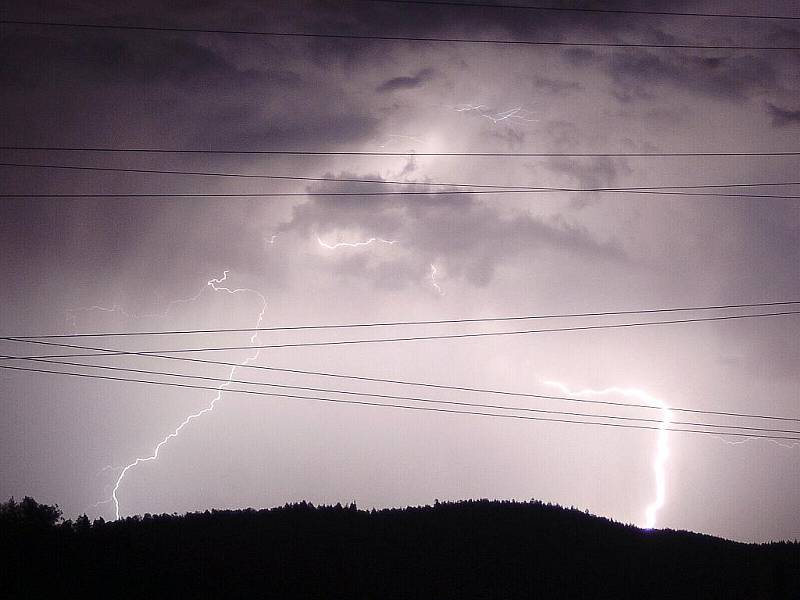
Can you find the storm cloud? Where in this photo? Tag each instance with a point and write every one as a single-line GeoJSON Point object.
{"type": "Point", "coordinates": [471, 237]}
{"type": "Point", "coordinates": [406, 82]}
{"type": "Point", "coordinates": [781, 117]}
{"type": "Point", "coordinates": [393, 229]}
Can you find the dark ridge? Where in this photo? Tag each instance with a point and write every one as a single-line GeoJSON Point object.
{"type": "Point", "coordinates": [467, 549]}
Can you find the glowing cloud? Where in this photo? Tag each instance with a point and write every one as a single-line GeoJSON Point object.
{"type": "Point", "coordinates": [398, 137]}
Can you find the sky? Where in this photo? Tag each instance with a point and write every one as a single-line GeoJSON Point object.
{"type": "Point", "coordinates": [323, 256]}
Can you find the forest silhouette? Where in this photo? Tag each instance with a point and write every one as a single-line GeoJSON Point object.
{"type": "Point", "coordinates": [467, 549]}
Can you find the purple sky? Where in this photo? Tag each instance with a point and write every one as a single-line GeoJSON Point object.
{"type": "Point", "coordinates": [62, 260]}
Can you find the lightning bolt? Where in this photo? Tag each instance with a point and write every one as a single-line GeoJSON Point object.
{"type": "Point", "coordinates": [214, 284]}
{"type": "Point", "coordinates": [517, 113]}
{"type": "Point", "coordinates": [373, 240]}
{"type": "Point", "coordinates": [789, 445]}
{"type": "Point", "coordinates": [396, 137]}
{"type": "Point", "coordinates": [72, 313]}
{"type": "Point", "coordinates": [662, 442]}
{"type": "Point", "coordinates": [72, 319]}
{"type": "Point", "coordinates": [512, 113]}
{"type": "Point", "coordinates": [354, 244]}
{"type": "Point", "coordinates": [781, 443]}
{"type": "Point", "coordinates": [470, 107]}
{"type": "Point", "coordinates": [436, 285]}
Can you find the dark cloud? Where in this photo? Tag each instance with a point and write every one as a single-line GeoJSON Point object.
{"type": "Point", "coordinates": [579, 57]}
{"type": "Point", "coordinates": [208, 93]}
{"type": "Point", "coordinates": [556, 87]}
{"type": "Point", "coordinates": [422, 77]}
{"type": "Point", "coordinates": [563, 133]}
{"type": "Point", "coordinates": [642, 75]}
{"type": "Point", "coordinates": [781, 117]}
{"type": "Point", "coordinates": [494, 254]}
{"type": "Point", "coordinates": [780, 35]}
{"type": "Point", "coordinates": [589, 172]}
{"type": "Point", "coordinates": [167, 244]}
{"type": "Point", "coordinates": [511, 137]}
{"type": "Point", "coordinates": [471, 238]}
{"type": "Point", "coordinates": [248, 127]}
{"type": "Point", "coordinates": [37, 60]}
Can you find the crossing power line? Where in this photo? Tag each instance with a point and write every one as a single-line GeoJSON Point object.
{"type": "Point", "coordinates": [405, 323]}
{"type": "Point", "coordinates": [101, 352]}
{"type": "Point", "coordinates": [242, 151]}
{"type": "Point", "coordinates": [452, 336]}
{"type": "Point", "coordinates": [401, 406]}
{"type": "Point", "coordinates": [575, 9]}
{"type": "Point", "coordinates": [391, 181]}
{"type": "Point", "coordinates": [391, 38]}
{"type": "Point", "coordinates": [482, 189]}
{"type": "Point", "coordinates": [396, 397]}
{"type": "Point", "coordinates": [368, 194]}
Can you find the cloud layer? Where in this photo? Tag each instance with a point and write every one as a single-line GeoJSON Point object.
{"type": "Point", "coordinates": [454, 254]}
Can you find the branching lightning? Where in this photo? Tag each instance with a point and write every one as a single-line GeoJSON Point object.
{"type": "Point", "coordinates": [739, 442]}
{"type": "Point", "coordinates": [517, 113]}
{"type": "Point", "coordinates": [72, 313]}
{"type": "Point", "coordinates": [662, 443]}
{"type": "Point", "coordinates": [215, 285]}
{"type": "Point", "coordinates": [368, 242]}
{"type": "Point", "coordinates": [375, 240]}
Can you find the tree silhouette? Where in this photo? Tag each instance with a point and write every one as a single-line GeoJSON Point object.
{"type": "Point", "coordinates": [468, 549]}
{"type": "Point", "coordinates": [28, 514]}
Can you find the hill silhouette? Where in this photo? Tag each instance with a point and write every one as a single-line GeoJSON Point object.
{"type": "Point", "coordinates": [467, 549]}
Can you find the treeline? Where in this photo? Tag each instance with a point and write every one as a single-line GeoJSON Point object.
{"type": "Point", "coordinates": [469, 549]}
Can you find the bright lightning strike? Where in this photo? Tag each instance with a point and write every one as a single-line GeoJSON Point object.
{"type": "Point", "coordinates": [215, 285]}
{"type": "Point", "coordinates": [662, 443]}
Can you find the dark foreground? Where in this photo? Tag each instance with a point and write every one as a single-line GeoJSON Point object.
{"type": "Point", "coordinates": [471, 549]}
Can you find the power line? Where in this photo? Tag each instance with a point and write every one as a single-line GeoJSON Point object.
{"type": "Point", "coordinates": [399, 406]}
{"type": "Point", "coordinates": [408, 398]}
{"type": "Point", "coordinates": [404, 154]}
{"type": "Point", "coordinates": [613, 11]}
{"type": "Point", "coordinates": [483, 188]}
{"type": "Point", "coordinates": [390, 38]}
{"type": "Point", "coordinates": [506, 393]}
{"type": "Point", "coordinates": [402, 323]}
{"type": "Point", "coordinates": [376, 194]}
{"type": "Point", "coordinates": [392, 182]}
{"type": "Point", "coordinates": [436, 337]}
